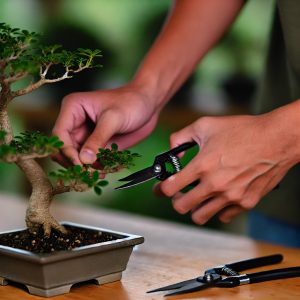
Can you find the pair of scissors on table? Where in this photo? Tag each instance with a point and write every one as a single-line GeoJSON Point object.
{"type": "Point", "coordinates": [159, 169]}
{"type": "Point", "coordinates": [231, 276]}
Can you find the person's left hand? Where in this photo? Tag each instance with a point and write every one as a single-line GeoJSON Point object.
{"type": "Point", "coordinates": [241, 159]}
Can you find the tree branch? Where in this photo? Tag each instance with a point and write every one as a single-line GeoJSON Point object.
{"type": "Point", "coordinates": [38, 84]}
{"type": "Point", "coordinates": [16, 77]}
{"type": "Point", "coordinates": [11, 158]}
{"type": "Point", "coordinates": [60, 188]}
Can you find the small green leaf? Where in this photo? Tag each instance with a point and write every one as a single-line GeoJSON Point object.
{"type": "Point", "coordinates": [102, 183]}
{"type": "Point", "coordinates": [77, 169]}
{"type": "Point", "coordinates": [95, 176]}
{"type": "Point", "coordinates": [114, 147]}
{"type": "Point", "coordinates": [58, 144]}
{"type": "Point", "coordinates": [2, 135]}
{"type": "Point", "coordinates": [52, 174]}
{"type": "Point", "coordinates": [98, 190]}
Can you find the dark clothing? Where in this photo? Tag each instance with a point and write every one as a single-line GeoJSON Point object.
{"type": "Point", "coordinates": [280, 86]}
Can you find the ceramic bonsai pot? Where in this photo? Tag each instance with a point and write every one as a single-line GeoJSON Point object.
{"type": "Point", "coordinates": [51, 274]}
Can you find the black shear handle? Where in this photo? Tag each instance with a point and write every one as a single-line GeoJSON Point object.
{"type": "Point", "coordinates": [181, 148]}
{"type": "Point", "coordinates": [257, 277]}
{"type": "Point", "coordinates": [274, 274]}
{"type": "Point", "coordinates": [255, 262]}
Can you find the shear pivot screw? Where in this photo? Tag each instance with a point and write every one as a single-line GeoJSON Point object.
{"type": "Point", "coordinates": [208, 278]}
{"type": "Point", "coordinates": [157, 168]}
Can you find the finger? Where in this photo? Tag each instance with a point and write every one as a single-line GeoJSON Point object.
{"type": "Point", "coordinates": [71, 154]}
{"type": "Point", "coordinates": [127, 140]}
{"type": "Point", "coordinates": [208, 209]}
{"type": "Point", "coordinates": [189, 174]}
{"type": "Point", "coordinates": [157, 190]}
{"type": "Point", "coordinates": [62, 160]}
{"type": "Point", "coordinates": [182, 136]}
{"type": "Point", "coordinates": [229, 213]}
{"type": "Point", "coordinates": [193, 198]}
{"type": "Point", "coordinates": [64, 126]}
{"type": "Point", "coordinates": [106, 127]}
{"type": "Point", "coordinates": [68, 149]}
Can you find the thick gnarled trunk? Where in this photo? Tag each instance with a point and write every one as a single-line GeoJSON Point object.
{"type": "Point", "coordinates": [38, 213]}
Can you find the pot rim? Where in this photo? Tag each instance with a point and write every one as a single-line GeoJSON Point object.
{"type": "Point", "coordinates": [124, 240]}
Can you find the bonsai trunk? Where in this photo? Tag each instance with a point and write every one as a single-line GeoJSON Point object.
{"type": "Point", "coordinates": [37, 213]}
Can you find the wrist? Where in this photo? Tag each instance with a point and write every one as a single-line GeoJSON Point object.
{"type": "Point", "coordinates": [286, 124]}
{"type": "Point", "coordinates": [152, 89]}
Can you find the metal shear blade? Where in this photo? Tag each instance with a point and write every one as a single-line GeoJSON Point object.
{"type": "Point", "coordinates": [189, 288]}
{"type": "Point", "coordinates": [158, 169]}
{"type": "Point", "coordinates": [137, 178]}
{"type": "Point", "coordinates": [173, 286]}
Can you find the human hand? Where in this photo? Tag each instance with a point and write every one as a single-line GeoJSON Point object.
{"type": "Point", "coordinates": [241, 159]}
{"type": "Point", "coordinates": [90, 120]}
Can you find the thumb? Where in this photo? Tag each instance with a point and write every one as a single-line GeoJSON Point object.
{"type": "Point", "coordinates": [105, 128]}
{"type": "Point", "coordinates": [183, 136]}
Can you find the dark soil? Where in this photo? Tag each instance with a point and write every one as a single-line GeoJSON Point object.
{"type": "Point", "coordinates": [36, 241]}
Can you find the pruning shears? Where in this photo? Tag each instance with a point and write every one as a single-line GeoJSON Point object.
{"type": "Point", "coordinates": [159, 169]}
{"type": "Point", "coordinates": [228, 276]}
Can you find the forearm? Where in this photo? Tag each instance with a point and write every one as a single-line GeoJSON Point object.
{"type": "Point", "coordinates": [193, 27]}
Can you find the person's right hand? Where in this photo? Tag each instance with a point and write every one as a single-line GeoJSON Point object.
{"type": "Point", "coordinates": [90, 120]}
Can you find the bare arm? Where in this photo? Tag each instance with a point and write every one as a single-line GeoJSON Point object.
{"type": "Point", "coordinates": [128, 114]}
{"type": "Point", "coordinates": [192, 29]}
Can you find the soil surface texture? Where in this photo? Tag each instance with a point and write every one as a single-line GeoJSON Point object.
{"type": "Point", "coordinates": [38, 243]}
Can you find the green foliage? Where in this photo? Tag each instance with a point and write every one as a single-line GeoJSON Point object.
{"type": "Point", "coordinates": [23, 52]}
{"type": "Point", "coordinates": [36, 142]}
{"type": "Point", "coordinates": [113, 159]}
{"type": "Point", "coordinates": [2, 136]}
{"type": "Point", "coordinates": [6, 150]}
{"type": "Point", "coordinates": [80, 175]}
{"type": "Point", "coordinates": [30, 143]}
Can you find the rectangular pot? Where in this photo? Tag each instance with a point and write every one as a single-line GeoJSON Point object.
{"type": "Point", "coordinates": [51, 274]}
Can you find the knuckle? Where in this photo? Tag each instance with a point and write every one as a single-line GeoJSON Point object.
{"type": "Point", "coordinates": [203, 123]}
{"type": "Point", "coordinates": [69, 98]}
{"type": "Point", "coordinates": [233, 196]}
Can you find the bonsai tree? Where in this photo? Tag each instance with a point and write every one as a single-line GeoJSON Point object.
{"type": "Point", "coordinates": [26, 65]}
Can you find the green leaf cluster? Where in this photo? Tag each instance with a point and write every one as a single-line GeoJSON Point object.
{"type": "Point", "coordinates": [6, 150]}
{"type": "Point", "coordinates": [78, 174]}
{"type": "Point", "coordinates": [29, 143]}
{"type": "Point", "coordinates": [111, 160]}
{"type": "Point", "coordinates": [25, 52]}
{"type": "Point", "coordinates": [114, 159]}
{"type": "Point", "coordinates": [13, 40]}
{"type": "Point", "coordinates": [69, 59]}
{"type": "Point", "coordinates": [36, 142]}
{"type": "Point", "coordinates": [20, 46]}
{"type": "Point", "coordinates": [3, 134]}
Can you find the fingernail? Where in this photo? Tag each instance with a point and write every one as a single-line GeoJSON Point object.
{"type": "Point", "coordinates": [87, 156]}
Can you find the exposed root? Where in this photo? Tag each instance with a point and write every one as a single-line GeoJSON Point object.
{"type": "Point", "coordinates": [42, 218]}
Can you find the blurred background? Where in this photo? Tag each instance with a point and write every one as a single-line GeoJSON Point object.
{"type": "Point", "coordinates": [224, 83]}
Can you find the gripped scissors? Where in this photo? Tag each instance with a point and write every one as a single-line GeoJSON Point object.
{"type": "Point", "coordinates": [159, 169]}
{"type": "Point", "coordinates": [213, 277]}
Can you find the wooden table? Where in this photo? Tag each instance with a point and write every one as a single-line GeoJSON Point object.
{"type": "Point", "coordinates": [171, 253]}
